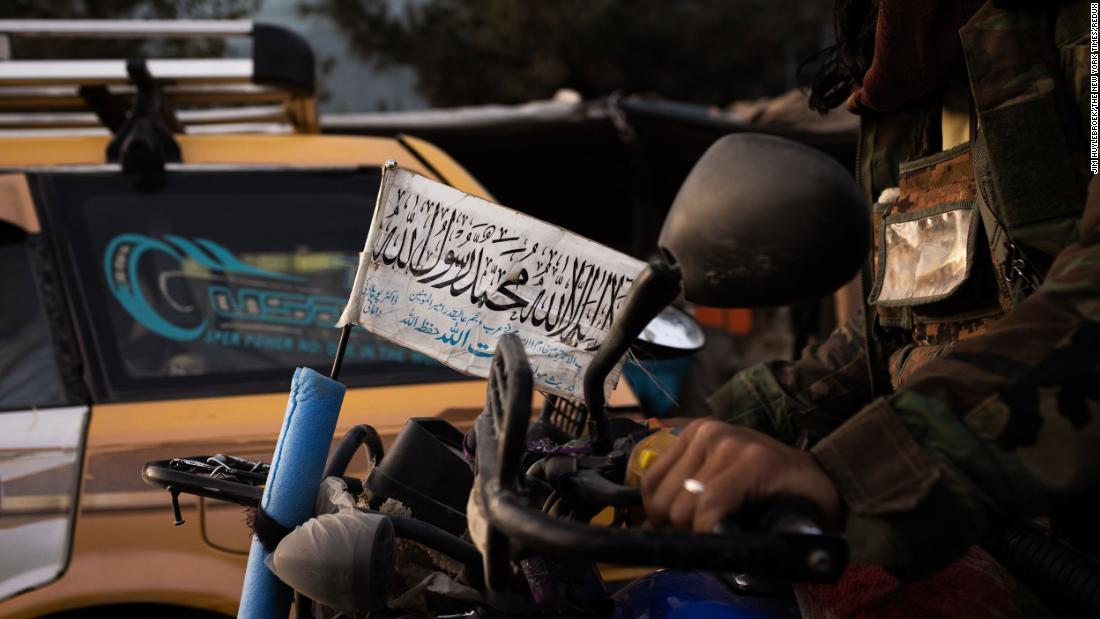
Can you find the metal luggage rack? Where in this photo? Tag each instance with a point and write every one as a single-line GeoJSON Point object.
{"type": "Point", "coordinates": [271, 92]}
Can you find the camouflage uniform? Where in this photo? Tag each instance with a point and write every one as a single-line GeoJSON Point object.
{"type": "Point", "coordinates": [992, 391]}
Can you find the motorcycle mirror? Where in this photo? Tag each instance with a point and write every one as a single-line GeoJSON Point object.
{"type": "Point", "coordinates": [764, 221]}
{"type": "Point", "coordinates": [670, 334]}
{"type": "Point", "coordinates": [760, 220]}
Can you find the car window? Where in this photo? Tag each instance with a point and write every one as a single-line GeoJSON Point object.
{"type": "Point", "coordinates": [221, 282]}
{"type": "Point", "coordinates": [29, 375]}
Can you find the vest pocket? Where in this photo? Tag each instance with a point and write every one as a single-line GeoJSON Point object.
{"type": "Point", "coordinates": [933, 270]}
{"type": "Point", "coordinates": [925, 255]}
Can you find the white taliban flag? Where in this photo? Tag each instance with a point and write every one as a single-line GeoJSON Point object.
{"type": "Point", "coordinates": [446, 274]}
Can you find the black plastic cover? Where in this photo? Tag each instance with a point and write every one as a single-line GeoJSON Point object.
{"type": "Point", "coordinates": [425, 469]}
{"type": "Point", "coordinates": [283, 58]}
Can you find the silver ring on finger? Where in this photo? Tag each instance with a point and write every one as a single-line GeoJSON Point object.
{"type": "Point", "coordinates": [694, 486]}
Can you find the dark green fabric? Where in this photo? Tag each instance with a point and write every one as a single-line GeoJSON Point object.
{"type": "Point", "coordinates": [1033, 178]}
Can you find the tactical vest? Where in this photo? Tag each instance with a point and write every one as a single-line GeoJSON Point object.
{"type": "Point", "coordinates": [962, 236]}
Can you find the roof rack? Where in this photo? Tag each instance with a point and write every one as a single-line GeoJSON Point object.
{"type": "Point", "coordinates": [271, 91]}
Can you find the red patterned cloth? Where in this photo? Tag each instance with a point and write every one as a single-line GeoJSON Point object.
{"type": "Point", "coordinates": [917, 50]}
{"type": "Point", "coordinates": [975, 587]}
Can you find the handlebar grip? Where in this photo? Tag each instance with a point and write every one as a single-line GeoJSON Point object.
{"type": "Point", "coordinates": [785, 515]}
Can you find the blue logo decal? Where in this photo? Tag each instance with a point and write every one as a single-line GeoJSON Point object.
{"type": "Point", "coordinates": [124, 254]}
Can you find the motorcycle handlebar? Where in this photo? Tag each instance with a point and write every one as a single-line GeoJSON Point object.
{"type": "Point", "coordinates": [795, 550]}
{"type": "Point", "coordinates": [793, 557]}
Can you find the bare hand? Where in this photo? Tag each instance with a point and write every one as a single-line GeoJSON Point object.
{"type": "Point", "coordinates": [735, 466]}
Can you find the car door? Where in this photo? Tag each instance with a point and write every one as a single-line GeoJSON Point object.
{"type": "Point", "coordinates": [42, 426]}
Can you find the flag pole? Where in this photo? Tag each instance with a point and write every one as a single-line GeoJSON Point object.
{"type": "Point", "coordinates": [341, 346]}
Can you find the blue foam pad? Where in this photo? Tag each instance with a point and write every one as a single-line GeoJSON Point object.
{"type": "Point", "coordinates": [292, 483]}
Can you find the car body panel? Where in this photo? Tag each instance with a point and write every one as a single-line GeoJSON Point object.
{"type": "Point", "coordinates": [285, 150]}
{"type": "Point", "coordinates": [40, 474]}
{"type": "Point", "coordinates": [443, 165]}
{"type": "Point", "coordinates": [16, 204]}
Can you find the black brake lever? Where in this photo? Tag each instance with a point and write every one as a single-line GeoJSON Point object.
{"type": "Point", "coordinates": [797, 520]}
{"type": "Point", "coordinates": [786, 515]}
{"type": "Point", "coordinates": [594, 489]}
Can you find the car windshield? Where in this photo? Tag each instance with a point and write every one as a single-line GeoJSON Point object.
{"type": "Point", "coordinates": [222, 280]}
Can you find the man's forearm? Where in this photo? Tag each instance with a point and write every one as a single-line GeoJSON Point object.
{"type": "Point", "coordinates": [814, 394]}
{"type": "Point", "coordinates": [1005, 424]}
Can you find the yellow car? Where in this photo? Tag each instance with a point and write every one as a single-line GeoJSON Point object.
{"type": "Point", "coordinates": [154, 308]}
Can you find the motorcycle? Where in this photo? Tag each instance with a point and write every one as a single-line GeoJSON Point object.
{"type": "Point", "coordinates": [510, 513]}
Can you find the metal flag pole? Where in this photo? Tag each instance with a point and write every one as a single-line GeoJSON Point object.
{"type": "Point", "coordinates": [341, 346]}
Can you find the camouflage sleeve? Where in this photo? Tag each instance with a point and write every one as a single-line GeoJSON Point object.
{"type": "Point", "coordinates": [1004, 425]}
{"type": "Point", "coordinates": [810, 396]}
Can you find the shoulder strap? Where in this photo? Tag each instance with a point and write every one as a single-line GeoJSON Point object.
{"type": "Point", "coordinates": [1016, 276]}
{"type": "Point", "coordinates": [1030, 170]}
